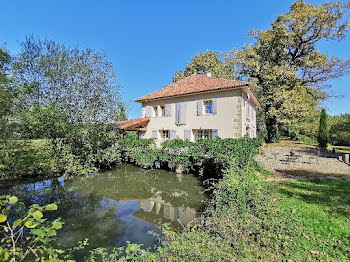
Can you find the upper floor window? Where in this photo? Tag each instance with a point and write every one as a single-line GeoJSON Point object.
{"type": "Point", "coordinates": [208, 106]}
{"type": "Point", "coordinates": [162, 110]}
{"type": "Point", "coordinates": [155, 109]}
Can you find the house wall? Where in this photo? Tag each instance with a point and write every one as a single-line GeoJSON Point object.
{"type": "Point", "coordinates": [228, 120]}
{"type": "Point", "coordinates": [248, 116]}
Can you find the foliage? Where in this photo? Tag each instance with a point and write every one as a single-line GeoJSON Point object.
{"type": "Point", "coordinates": [339, 133]}
{"type": "Point", "coordinates": [80, 83]}
{"type": "Point", "coordinates": [121, 114]}
{"type": "Point", "coordinates": [6, 94]}
{"type": "Point", "coordinates": [209, 157]}
{"type": "Point", "coordinates": [67, 96]}
{"type": "Point", "coordinates": [287, 71]}
{"type": "Point", "coordinates": [26, 233]}
{"type": "Point", "coordinates": [322, 137]}
{"type": "Point", "coordinates": [28, 158]}
{"type": "Point", "coordinates": [206, 62]}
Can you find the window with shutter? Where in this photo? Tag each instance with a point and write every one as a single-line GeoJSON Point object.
{"type": "Point", "coordinates": [187, 134]}
{"type": "Point", "coordinates": [180, 113]}
{"type": "Point", "coordinates": [214, 111]}
{"type": "Point", "coordinates": [177, 113]}
{"type": "Point", "coordinates": [214, 133]}
{"type": "Point", "coordinates": [154, 134]}
{"type": "Point", "coordinates": [168, 110]}
{"type": "Point", "coordinates": [199, 108]}
{"type": "Point", "coordinates": [172, 134]}
{"type": "Point", "coordinates": [148, 111]}
{"type": "Point", "coordinates": [182, 119]}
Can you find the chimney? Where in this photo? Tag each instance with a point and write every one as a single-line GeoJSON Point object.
{"type": "Point", "coordinates": [209, 73]}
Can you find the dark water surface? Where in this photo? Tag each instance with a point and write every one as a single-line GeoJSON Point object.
{"type": "Point", "coordinates": [115, 206]}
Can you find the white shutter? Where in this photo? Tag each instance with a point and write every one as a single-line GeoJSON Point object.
{"type": "Point", "coordinates": [199, 108]}
{"type": "Point", "coordinates": [168, 110]}
{"type": "Point", "coordinates": [154, 134]}
{"type": "Point", "coordinates": [214, 133]}
{"type": "Point", "coordinates": [177, 113]}
{"type": "Point", "coordinates": [187, 134]}
{"type": "Point", "coordinates": [141, 134]}
{"type": "Point", "coordinates": [148, 111]}
{"type": "Point", "coordinates": [172, 134]}
{"type": "Point", "coordinates": [214, 107]}
{"type": "Point", "coordinates": [182, 115]}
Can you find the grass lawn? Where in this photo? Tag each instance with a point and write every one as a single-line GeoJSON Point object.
{"type": "Point", "coordinates": [343, 149]}
{"type": "Point", "coordinates": [322, 210]}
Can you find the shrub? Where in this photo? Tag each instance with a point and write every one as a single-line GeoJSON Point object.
{"type": "Point", "coordinates": [322, 137]}
{"type": "Point", "coordinates": [25, 233]}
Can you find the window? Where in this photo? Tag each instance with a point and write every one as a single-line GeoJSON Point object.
{"type": "Point", "coordinates": [164, 134]}
{"type": "Point", "coordinates": [208, 105]}
{"type": "Point", "coordinates": [155, 111]}
{"type": "Point", "coordinates": [162, 110]}
{"type": "Point", "coordinates": [204, 134]}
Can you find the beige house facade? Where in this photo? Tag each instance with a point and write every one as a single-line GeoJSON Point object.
{"type": "Point", "coordinates": [199, 107]}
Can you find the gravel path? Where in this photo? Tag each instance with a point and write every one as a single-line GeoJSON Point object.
{"type": "Point", "coordinates": [308, 165]}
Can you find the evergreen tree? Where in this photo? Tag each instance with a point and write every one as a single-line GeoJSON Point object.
{"type": "Point", "coordinates": [323, 131]}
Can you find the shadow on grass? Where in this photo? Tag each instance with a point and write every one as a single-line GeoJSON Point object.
{"type": "Point", "coordinates": [330, 191]}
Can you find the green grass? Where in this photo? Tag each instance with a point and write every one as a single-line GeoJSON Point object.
{"type": "Point", "coordinates": [342, 149]}
{"type": "Point", "coordinates": [322, 210]}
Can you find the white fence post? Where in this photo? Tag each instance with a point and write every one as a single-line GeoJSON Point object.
{"type": "Point", "coordinates": [346, 159]}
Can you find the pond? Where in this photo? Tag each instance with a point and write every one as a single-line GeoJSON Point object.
{"type": "Point", "coordinates": [117, 205]}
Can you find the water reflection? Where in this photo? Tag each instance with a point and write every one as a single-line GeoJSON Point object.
{"type": "Point", "coordinates": [115, 206]}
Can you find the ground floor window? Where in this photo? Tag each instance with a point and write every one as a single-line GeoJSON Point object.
{"type": "Point", "coordinates": [204, 134]}
{"type": "Point", "coordinates": [164, 134]}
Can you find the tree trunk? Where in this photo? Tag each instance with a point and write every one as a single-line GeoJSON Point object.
{"type": "Point", "coordinates": [271, 128]}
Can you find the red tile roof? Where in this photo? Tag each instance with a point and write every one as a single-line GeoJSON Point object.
{"type": "Point", "coordinates": [132, 123]}
{"type": "Point", "coordinates": [192, 85]}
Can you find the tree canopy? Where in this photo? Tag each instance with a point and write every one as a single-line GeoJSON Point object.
{"type": "Point", "coordinates": [288, 71]}
{"type": "Point", "coordinates": [80, 83]}
{"type": "Point", "coordinates": [206, 62]}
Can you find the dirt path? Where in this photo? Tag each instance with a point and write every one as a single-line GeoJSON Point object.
{"type": "Point", "coordinates": [306, 166]}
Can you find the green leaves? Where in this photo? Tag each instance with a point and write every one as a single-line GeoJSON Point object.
{"type": "Point", "coordinates": [57, 224]}
{"type": "Point", "coordinates": [37, 214]}
{"type": "Point", "coordinates": [51, 207]}
{"type": "Point", "coordinates": [13, 200]}
{"type": "Point", "coordinates": [36, 240]}
{"type": "Point", "coordinates": [3, 218]}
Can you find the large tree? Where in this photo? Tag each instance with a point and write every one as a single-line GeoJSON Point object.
{"type": "Point", "coordinates": [79, 83]}
{"type": "Point", "coordinates": [206, 62]}
{"type": "Point", "coordinates": [6, 94]}
{"type": "Point", "coordinates": [288, 71]}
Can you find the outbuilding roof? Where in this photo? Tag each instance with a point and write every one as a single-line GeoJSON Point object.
{"type": "Point", "coordinates": [195, 84]}
{"type": "Point", "coordinates": [133, 124]}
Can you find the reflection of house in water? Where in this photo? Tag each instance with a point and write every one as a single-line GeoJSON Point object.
{"type": "Point", "coordinates": [155, 208]}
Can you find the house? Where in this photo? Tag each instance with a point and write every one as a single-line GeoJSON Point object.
{"type": "Point", "coordinates": [198, 106]}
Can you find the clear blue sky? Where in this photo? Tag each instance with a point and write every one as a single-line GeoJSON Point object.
{"type": "Point", "coordinates": [148, 41]}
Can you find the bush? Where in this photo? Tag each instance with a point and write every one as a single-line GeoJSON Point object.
{"type": "Point", "coordinates": [205, 156]}
{"type": "Point", "coordinates": [339, 133]}
{"type": "Point", "coordinates": [27, 234]}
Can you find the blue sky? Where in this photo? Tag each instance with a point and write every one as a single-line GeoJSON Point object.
{"type": "Point", "coordinates": [148, 41]}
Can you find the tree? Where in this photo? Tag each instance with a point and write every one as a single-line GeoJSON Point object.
{"type": "Point", "coordinates": [121, 114]}
{"type": "Point", "coordinates": [206, 62]}
{"type": "Point", "coordinates": [289, 72]}
{"type": "Point", "coordinates": [6, 93]}
{"type": "Point", "coordinates": [80, 83]}
{"type": "Point", "coordinates": [322, 137]}
{"type": "Point", "coordinates": [339, 133]}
